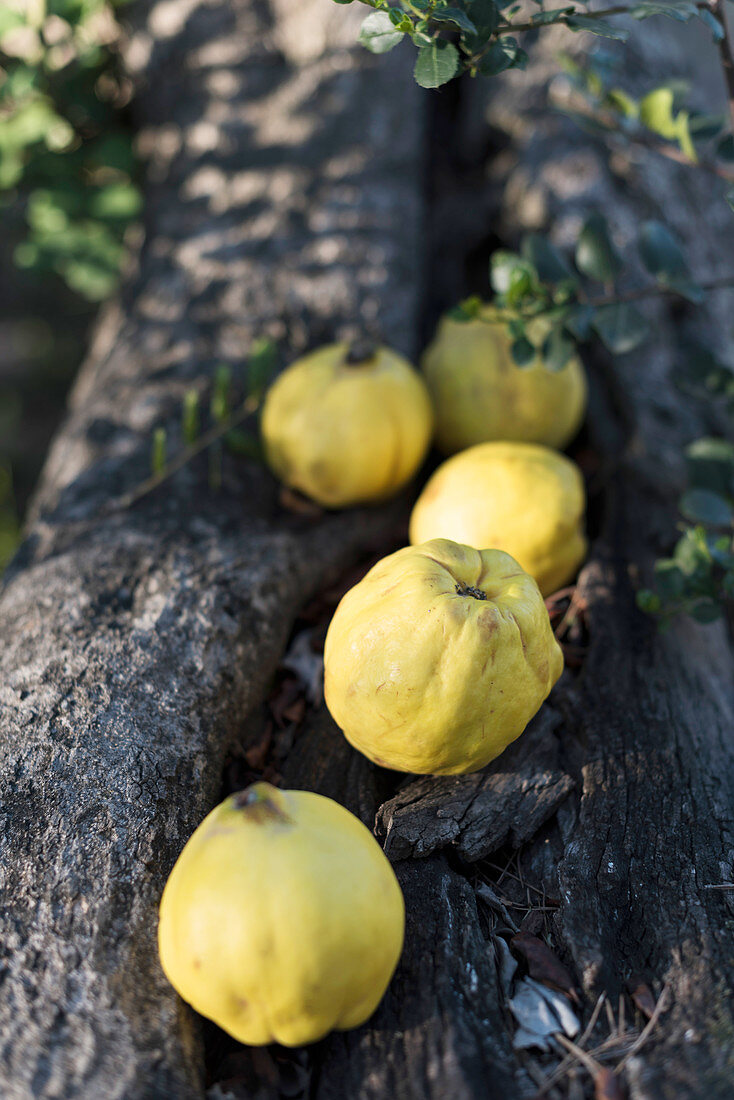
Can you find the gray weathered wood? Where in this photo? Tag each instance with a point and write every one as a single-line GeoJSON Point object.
{"type": "Point", "coordinates": [283, 199]}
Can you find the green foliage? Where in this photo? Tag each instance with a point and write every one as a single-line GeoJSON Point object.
{"type": "Point", "coordinates": [700, 575]}
{"type": "Point", "coordinates": [233, 401]}
{"type": "Point", "coordinates": [663, 115]}
{"type": "Point", "coordinates": [66, 163]}
{"type": "Point", "coordinates": [540, 283]}
{"type": "Point", "coordinates": [474, 36]}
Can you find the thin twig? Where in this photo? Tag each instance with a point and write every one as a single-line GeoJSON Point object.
{"type": "Point", "coordinates": [644, 140]}
{"type": "Point", "coordinates": [580, 1055]}
{"type": "Point", "coordinates": [644, 1034]}
{"type": "Point", "coordinates": [561, 1070]}
{"type": "Point", "coordinates": [217, 432]}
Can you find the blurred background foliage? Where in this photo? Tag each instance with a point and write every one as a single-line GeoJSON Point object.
{"type": "Point", "coordinates": [68, 194]}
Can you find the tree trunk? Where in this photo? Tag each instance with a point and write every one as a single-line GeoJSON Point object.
{"type": "Point", "coordinates": [285, 197]}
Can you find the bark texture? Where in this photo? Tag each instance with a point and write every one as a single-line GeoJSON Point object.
{"type": "Point", "coordinates": [283, 199]}
{"type": "Point", "coordinates": [285, 196]}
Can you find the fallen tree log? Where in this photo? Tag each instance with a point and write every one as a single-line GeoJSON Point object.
{"type": "Point", "coordinates": [284, 196]}
{"type": "Point", "coordinates": [283, 200]}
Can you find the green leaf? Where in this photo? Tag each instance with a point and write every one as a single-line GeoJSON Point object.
{"type": "Point", "coordinates": [558, 347]}
{"type": "Point", "coordinates": [599, 27]}
{"type": "Point", "coordinates": [190, 417]}
{"type": "Point", "coordinates": [704, 506]}
{"type": "Point", "coordinates": [261, 367]}
{"type": "Point", "coordinates": [523, 352]}
{"type": "Point", "coordinates": [692, 554]}
{"type": "Point", "coordinates": [158, 452]}
{"type": "Point", "coordinates": [704, 126]}
{"type": "Point", "coordinates": [725, 148]}
{"type": "Point", "coordinates": [504, 269]}
{"type": "Point", "coordinates": [502, 55]}
{"type": "Point", "coordinates": [706, 611]}
{"type": "Point", "coordinates": [670, 581]}
{"type": "Point", "coordinates": [553, 16]}
{"type": "Point", "coordinates": [550, 265]}
{"type": "Point", "coordinates": [578, 321]}
{"type": "Point", "coordinates": [711, 465]}
{"type": "Point", "coordinates": [484, 16]}
{"type": "Point", "coordinates": [656, 112]}
{"type": "Point", "coordinates": [622, 102]}
{"type": "Point", "coordinates": [596, 256]}
{"type": "Point", "coordinates": [648, 601]}
{"type": "Point", "coordinates": [620, 326]}
{"type": "Point", "coordinates": [378, 33]}
{"type": "Point", "coordinates": [436, 64]}
{"type": "Point", "coordinates": [664, 259]}
{"type": "Point", "coordinates": [456, 16]}
{"type": "Point", "coordinates": [468, 310]}
{"type": "Point", "coordinates": [682, 10]}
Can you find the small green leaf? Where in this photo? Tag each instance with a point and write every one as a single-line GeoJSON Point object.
{"type": "Point", "coordinates": [682, 10]}
{"type": "Point", "coordinates": [656, 112]}
{"type": "Point", "coordinates": [158, 453]}
{"type": "Point", "coordinates": [670, 582]}
{"type": "Point", "coordinates": [260, 367]}
{"type": "Point", "coordinates": [190, 418]}
{"type": "Point", "coordinates": [711, 465]}
{"type": "Point", "coordinates": [219, 407]}
{"type": "Point", "coordinates": [468, 310]}
{"type": "Point", "coordinates": [436, 64]}
{"type": "Point", "coordinates": [725, 149]}
{"type": "Point", "coordinates": [704, 506]}
{"type": "Point", "coordinates": [523, 352]}
{"type": "Point", "coordinates": [378, 33]}
{"type": "Point", "coordinates": [484, 16]}
{"type": "Point", "coordinates": [598, 27]}
{"type": "Point", "coordinates": [648, 601]}
{"type": "Point", "coordinates": [503, 269]}
{"type": "Point", "coordinates": [663, 257]}
{"type": "Point", "coordinates": [578, 321]}
{"type": "Point", "coordinates": [558, 347]}
{"type": "Point", "coordinates": [502, 55]}
{"type": "Point", "coordinates": [706, 611]}
{"type": "Point", "coordinates": [622, 102]}
{"type": "Point", "coordinates": [596, 256]}
{"type": "Point", "coordinates": [456, 16]}
{"type": "Point", "coordinates": [550, 265]}
{"type": "Point", "coordinates": [620, 326]}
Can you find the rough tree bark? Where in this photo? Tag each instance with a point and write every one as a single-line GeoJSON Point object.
{"type": "Point", "coordinates": [285, 196]}
{"type": "Point", "coordinates": [283, 199]}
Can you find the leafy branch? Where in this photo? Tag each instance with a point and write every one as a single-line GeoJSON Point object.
{"type": "Point", "coordinates": [573, 300]}
{"type": "Point", "coordinates": [223, 430]}
{"type": "Point", "coordinates": [477, 36]}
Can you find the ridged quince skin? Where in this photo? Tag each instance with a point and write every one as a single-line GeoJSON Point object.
{"type": "Point", "coordinates": [518, 497]}
{"type": "Point", "coordinates": [439, 657]}
{"type": "Point", "coordinates": [480, 394]}
{"type": "Point", "coordinates": [347, 425]}
{"type": "Point", "coordinates": [282, 918]}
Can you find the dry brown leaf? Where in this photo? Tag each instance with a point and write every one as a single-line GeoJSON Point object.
{"type": "Point", "coordinates": [543, 964]}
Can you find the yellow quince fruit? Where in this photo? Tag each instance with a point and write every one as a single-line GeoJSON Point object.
{"type": "Point", "coordinates": [519, 497]}
{"type": "Point", "coordinates": [282, 918]}
{"type": "Point", "coordinates": [439, 658]}
{"type": "Point", "coordinates": [480, 394]}
{"type": "Point", "coordinates": [346, 425]}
